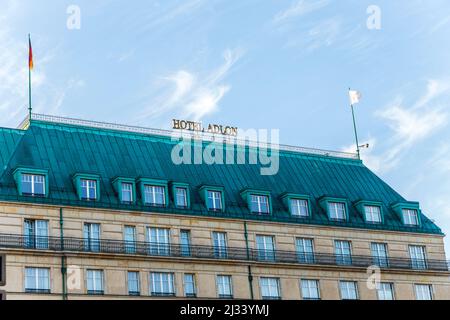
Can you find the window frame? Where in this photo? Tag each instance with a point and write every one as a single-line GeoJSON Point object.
{"type": "Point", "coordinates": [382, 262]}
{"type": "Point", "coordinates": [287, 199]}
{"type": "Point", "coordinates": [430, 291]}
{"type": "Point", "coordinates": [278, 288]}
{"type": "Point", "coordinates": [36, 241]}
{"type": "Point", "coordinates": [392, 288]}
{"type": "Point", "coordinates": [418, 264]}
{"type": "Point", "coordinates": [138, 282]}
{"type": "Point", "coordinates": [220, 252]}
{"type": "Point", "coordinates": [325, 204]}
{"type": "Point", "coordinates": [159, 248]}
{"type": "Point", "coordinates": [78, 177]}
{"type": "Point", "coordinates": [361, 207]}
{"type": "Point", "coordinates": [36, 276]}
{"type": "Point", "coordinates": [171, 284]}
{"type": "Point", "coordinates": [175, 187]}
{"type": "Point", "coordinates": [95, 291]}
{"type": "Point", "coordinates": [194, 285]}
{"type": "Point", "coordinates": [355, 286]}
{"type": "Point", "coordinates": [400, 206]}
{"type": "Point", "coordinates": [341, 259]}
{"type": "Point", "coordinates": [248, 194]}
{"type": "Point", "coordinates": [143, 182]}
{"type": "Point", "coordinates": [18, 174]}
{"type": "Point", "coordinates": [229, 284]}
{"type": "Point", "coordinates": [317, 281]}
{"type": "Point", "coordinates": [265, 254]}
{"type": "Point", "coordinates": [118, 184]}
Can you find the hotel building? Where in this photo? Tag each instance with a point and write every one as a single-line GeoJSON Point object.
{"type": "Point", "coordinates": [91, 210]}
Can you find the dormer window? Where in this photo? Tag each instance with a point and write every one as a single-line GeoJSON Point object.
{"type": "Point", "coordinates": [127, 192]}
{"type": "Point", "coordinates": [372, 214]}
{"type": "Point", "coordinates": [31, 182]}
{"type": "Point", "coordinates": [125, 189]}
{"type": "Point", "coordinates": [299, 207]}
{"type": "Point", "coordinates": [259, 204]}
{"type": "Point", "coordinates": [337, 210]}
{"type": "Point", "coordinates": [214, 201]}
{"type": "Point", "coordinates": [88, 189]}
{"type": "Point", "coordinates": [410, 217]}
{"type": "Point", "coordinates": [154, 195]}
{"type": "Point", "coordinates": [181, 197]}
{"type": "Point", "coordinates": [88, 186]}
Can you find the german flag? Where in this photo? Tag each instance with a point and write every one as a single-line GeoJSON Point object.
{"type": "Point", "coordinates": [30, 54]}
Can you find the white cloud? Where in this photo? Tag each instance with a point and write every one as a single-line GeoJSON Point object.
{"type": "Point", "coordinates": [298, 9]}
{"type": "Point", "coordinates": [192, 95]}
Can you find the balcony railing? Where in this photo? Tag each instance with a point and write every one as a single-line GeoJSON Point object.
{"type": "Point", "coordinates": [209, 252]}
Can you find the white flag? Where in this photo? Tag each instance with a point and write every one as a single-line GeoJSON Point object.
{"type": "Point", "coordinates": [355, 96]}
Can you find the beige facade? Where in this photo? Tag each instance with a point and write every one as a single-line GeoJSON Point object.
{"type": "Point", "coordinates": [115, 266]}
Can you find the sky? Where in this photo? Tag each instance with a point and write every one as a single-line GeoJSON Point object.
{"type": "Point", "coordinates": [273, 64]}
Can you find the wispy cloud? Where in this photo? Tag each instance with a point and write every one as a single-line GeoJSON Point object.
{"type": "Point", "coordinates": [298, 9]}
{"type": "Point", "coordinates": [193, 95]}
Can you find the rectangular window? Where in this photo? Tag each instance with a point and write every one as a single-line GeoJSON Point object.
{"type": "Point", "coordinates": [189, 285]}
{"type": "Point", "coordinates": [265, 245]}
{"type": "Point", "coordinates": [270, 288]}
{"type": "Point", "coordinates": [95, 282]}
{"type": "Point", "coordinates": [385, 291]}
{"type": "Point", "coordinates": [410, 217]}
{"type": "Point", "coordinates": [181, 197]}
{"type": "Point", "coordinates": [214, 200]}
{"type": "Point", "coordinates": [305, 250]}
{"type": "Point", "coordinates": [154, 195]}
{"type": "Point", "coordinates": [134, 288]}
{"type": "Point", "coordinates": [337, 210]}
{"type": "Point", "coordinates": [185, 242]}
{"type": "Point", "coordinates": [349, 290]}
{"type": "Point", "coordinates": [88, 189]}
{"type": "Point", "coordinates": [380, 254]}
{"type": "Point", "coordinates": [129, 235]}
{"type": "Point", "coordinates": [224, 287]}
{"type": "Point", "coordinates": [299, 208]}
{"type": "Point", "coordinates": [259, 204]}
{"type": "Point", "coordinates": [310, 289]}
{"type": "Point", "coordinates": [343, 252]}
{"type": "Point", "coordinates": [423, 291]}
{"type": "Point", "coordinates": [162, 284]}
{"type": "Point", "coordinates": [159, 241]}
{"type": "Point", "coordinates": [37, 280]}
{"type": "Point", "coordinates": [127, 192]}
{"type": "Point", "coordinates": [36, 234]}
{"type": "Point", "coordinates": [220, 244]}
{"type": "Point", "coordinates": [92, 237]}
{"type": "Point", "coordinates": [33, 184]}
{"type": "Point", "coordinates": [373, 214]}
{"type": "Point", "coordinates": [418, 258]}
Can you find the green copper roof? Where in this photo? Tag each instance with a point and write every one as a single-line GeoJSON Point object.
{"type": "Point", "coordinates": [65, 150]}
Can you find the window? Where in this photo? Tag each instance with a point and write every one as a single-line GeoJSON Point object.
{"type": "Point", "coordinates": [380, 254]}
{"type": "Point", "coordinates": [33, 184]}
{"type": "Point", "coordinates": [224, 287]}
{"type": "Point", "coordinates": [159, 241]}
{"type": "Point", "coordinates": [185, 242]}
{"type": "Point", "coordinates": [129, 234]}
{"type": "Point", "coordinates": [343, 252]}
{"type": "Point", "coordinates": [410, 217]}
{"type": "Point", "coordinates": [37, 280]}
{"type": "Point", "coordinates": [162, 284]}
{"type": "Point", "coordinates": [88, 189]}
{"type": "Point", "coordinates": [127, 192]}
{"type": "Point", "coordinates": [418, 258]}
{"type": "Point", "coordinates": [214, 201]}
{"type": "Point", "coordinates": [270, 288]}
{"type": "Point", "coordinates": [220, 244]}
{"type": "Point", "coordinates": [181, 197]}
{"type": "Point", "coordinates": [305, 250]}
{"type": "Point", "coordinates": [299, 208]}
{"type": "Point", "coordinates": [36, 234]}
{"type": "Point", "coordinates": [189, 285]}
{"type": "Point", "coordinates": [337, 210]}
{"type": "Point", "coordinates": [349, 290]}
{"type": "Point", "coordinates": [266, 247]}
{"type": "Point", "coordinates": [373, 214]}
{"type": "Point", "coordinates": [134, 288]}
{"type": "Point", "coordinates": [310, 289]}
{"type": "Point", "coordinates": [95, 281]}
{"type": "Point", "coordinates": [92, 237]}
{"type": "Point", "coordinates": [154, 195]}
{"type": "Point", "coordinates": [259, 204]}
{"type": "Point", "coordinates": [385, 291]}
{"type": "Point", "coordinates": [423, 291]}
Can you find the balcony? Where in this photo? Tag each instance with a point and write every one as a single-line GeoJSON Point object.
{"type": "Point", "coordinates": [10, 241]}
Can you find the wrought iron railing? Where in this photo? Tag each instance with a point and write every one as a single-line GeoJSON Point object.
{"type": "Point", "coordinates": [70, 244]}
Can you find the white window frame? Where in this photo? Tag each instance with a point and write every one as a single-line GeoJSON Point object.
{"type": "Point", "coordinates": [36, 277]}
{"type": "Point", "coordinates": [345, 285]}
{"type": "Point", "coordinates": [216, 199]}
{"type": "Point", "coordinates": [157, 280]}
{"type": "Point", "coordinates": [150, 192]}
{"type": "Point", "coordinates": [410, 217]}
{"type": "Point", "coordinates": [272, 286]}
{"type": "Point", "coordinates": [159, 240]}
{"type": "Point", "coordinates": [265, 246]}
{"type": "Point", "coordinates": [342, 256]}
{"type": "Point", "coordinates": [307, 287]}
{"type": "Point", "coordinates": [335, 207]}
{"type": "Point", "coordinates": [418, 256]}
{"type": "Point", "coordinates": [299, 204]}
{"type": "Point", "coordinates": [380, 253]}
{"type": "Point", "coordinates": [129, 239]}
{"type": "Point", "coordinates": [419, 291]}
{"type": "Point", "coordinates": [385, 290]}
{"type": "Point", "coordinates": [260, 201]}
{"type": "Point", "coordinates": [88, 185]}
{"type": "Point", "coordinates": [305, 250]}
{"type": "Point", "coordinates": [96, 275]}
{"type": "Point", "coordinates": [224, 282]}
{"type": "Point", "coordinates": [34, 179]}
{"type": "Point", "coordinates": [220, 244]}
{"type": "Point", "coordinates": [372, 213]}
{"type": "Point", "coordinates": [34, 236]}
{"type": "Point", "coordinates": [178, 197]}
{"type": "Point", "coordinates": [191, 283]}
{"type": "Point", "coordinates": [127, 188]}
{"type": "Point", "coordinates": [136, 281]}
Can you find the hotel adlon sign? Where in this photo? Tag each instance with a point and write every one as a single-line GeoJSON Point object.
{"type": "Point", "coordinates": [197, 127]}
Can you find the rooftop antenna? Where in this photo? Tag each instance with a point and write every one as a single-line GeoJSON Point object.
{"type": "Point", "coordinates": [30, 67]}
{"type": "Point", "coordinates": [355, 97]}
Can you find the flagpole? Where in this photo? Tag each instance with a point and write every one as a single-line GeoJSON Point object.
{"type": "Point", "coordinates": [29, 81]}
{"type": "Point", "coordinates": [356, 131]}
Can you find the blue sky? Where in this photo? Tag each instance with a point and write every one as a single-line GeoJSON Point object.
{"type": "Point", "coordinates": [252, 64]}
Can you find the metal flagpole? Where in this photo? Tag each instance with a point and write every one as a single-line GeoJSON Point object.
{"type": "Point", "coordinates": [356, 131]}
{"type": "Point", "coordinates": [29, 78]}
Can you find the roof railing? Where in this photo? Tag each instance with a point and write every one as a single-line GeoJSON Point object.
{"type": "Point", "coordinates": [204, 136]}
